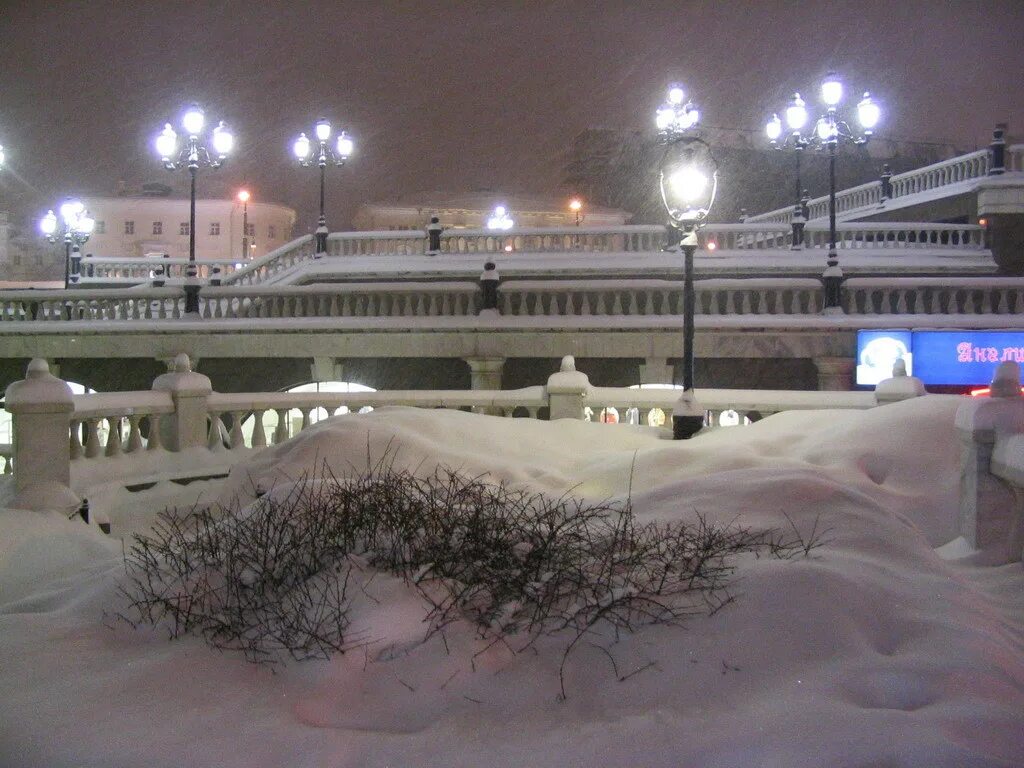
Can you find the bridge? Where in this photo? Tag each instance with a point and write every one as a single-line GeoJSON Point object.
{"type": "Point", "coordinates": [394, 310]}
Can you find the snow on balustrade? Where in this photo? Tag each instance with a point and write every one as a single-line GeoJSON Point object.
{"type": "Point", "coordinates": [110, 424]}
{"type": "Point", "coordinates": [108, 269]}
{"type": "Point", "coordinates": [94, 304]}
{"type": "Point", "coordinates": [403, 299]}
{"type": "Point", "coordinates": [973, 165]}
{"type": "Point", "coordinates": [934, 296]}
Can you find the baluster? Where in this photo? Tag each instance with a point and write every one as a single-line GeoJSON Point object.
{"type": "Point", "coordinates": [305, 418]}
{"type": "Point", "coordinates": [281, 432]}
{"type": "Point", "coordinates": [617, 303]}
{"type": "Point", "coordinates": [113, 436]}
{"type": "Point", "coordinates": [75, 440]}
{"type": "Point", "coordinates": [533, 410]}
{"type": "Point", "coordinates": [601, 308]}
{"type": "Point", "coordinates": [214, 441]}
{"type": "Point", "coordinates": [259, 434]}
{"type": "Point", "coordinates": [92, 438]}
{"type": "Point", "coordinates": [634, 308]}
{"type": "Point", "coordinates": [134, 434]}
{"type": "Point", "coordinates": [153, 440]}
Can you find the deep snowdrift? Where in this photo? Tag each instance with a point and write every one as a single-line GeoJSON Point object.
{"type": "Point", "coordinates": [873, 652]}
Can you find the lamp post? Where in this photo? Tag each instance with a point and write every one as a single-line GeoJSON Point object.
{"type": "Point", "coordinates": [576, 206]}
{"type": "Point", "coordinates": [78, 225]}
{"type": "Point", "coordinates": [193, 156]}
{"type": "Point", "coordinates": [243, 198]}
{"type": "Point", "coordinates": [829, 131]}
{"type": "Point", "coordinates": [500, 219]}
{"type": "Point", "coordinates": [337, 155]}
{"type": "Point", "coordinates": [688, 180]}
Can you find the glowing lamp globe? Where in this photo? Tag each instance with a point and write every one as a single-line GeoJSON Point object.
{"type": "Point", "coordinates": [301, 147]}
{"type": "Point", "coordinates": [868, 112]}
{"type": "Point", "coordinates": [323, 130]}
{"type": "Point", "coordinates": [345, 146]}
{"type": "Point", "coordinates": [167, 142]}
{"type": "Point", "coordinates": [193, 120]}
{"type": "Point", "coordinates": [831, 89]}
{"type": "Point", "coordinates": [774, 128]}
{"type": "Point", "coordinates": [85, 225]}
{"type": "Point", "coordinates": [243, 196]}
{"type": "Point", "coordinates": [688, 184]}
{"type": "Point", "coordinates": [223, 140]}
{"type": "Point", "coordinates": [796, 113]}
{"type": "Point", "coordinates": [48, 224]}
{"type": "Point", "coordinates": [675, 95]}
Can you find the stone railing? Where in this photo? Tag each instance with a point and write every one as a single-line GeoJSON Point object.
{"type": "Point", "coordinates": [278, 260]}
{"type": "Point", "coordinates": [888, 236]}
{"type": "Point", "coordinates": [597, 298]}
{"type": "Point", "coordinates": [991, 433]}
{"type": "Point", "coordinates": [91, 304]}
{"type": "Point", "coordinates": [75, 443]}
{"type": "Point", "coordinates": [933, 296]}
{"type": "Point", "coordinates": [398, 299]}
{"type": "Point", "coordinates": [104, 269]}
{"type": "Point", "coordinates": [973, 165]}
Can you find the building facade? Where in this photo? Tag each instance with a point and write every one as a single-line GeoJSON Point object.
{"type": "Point", "coordinates": [158, 225]}
{"type": "Point", "coordinates": [472, 210]}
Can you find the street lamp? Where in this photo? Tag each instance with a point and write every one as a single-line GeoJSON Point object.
{"type": "Point", "coordinates": [3, 157]}
{"type": "Point", "coordinates": [688, 179]}
{"type": "Point", "coordinates": [795, 139]}
{"type": "Point", "coordinates": [576, 206]}
{"type": "Point", "coordinates": [78, 225]}
{"type": "Point", "coordinates": [337, 155]}
{"type": "Point", "coordinates": [243, 198]}
{"type": "Point", "coordinates": [192, 156]}
{"type": "Point", "coordinates": [500, 219]}
{"type": "Point", "coordinates": [829, 131]}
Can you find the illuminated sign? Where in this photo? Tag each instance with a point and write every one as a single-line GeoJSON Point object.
{"type": "Point", "coordinates": [937, 357]}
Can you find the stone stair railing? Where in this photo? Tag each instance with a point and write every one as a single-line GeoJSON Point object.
{"type": "Point", "coordinates": [106, 269]}
{"type": "Point", "coordinates": [973, 165]}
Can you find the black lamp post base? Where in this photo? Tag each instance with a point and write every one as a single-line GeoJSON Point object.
{"type": "Point", "coordinates": [192, 300]}
{"type": "Point", "coordinates": [686, 426]}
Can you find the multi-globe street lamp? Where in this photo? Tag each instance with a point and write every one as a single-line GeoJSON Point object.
{"type": "Point", "coordinates": [688, 180]}
{"type": "Point", "coordinates": [500, 219]}
{"type": "Point", "coordinates": [78, 225]}
{"type": "Point", "coordinates": [325, 155]}
{"type": "Point", "coordinates": [192, 156]}
{"type": "Point", "coordinates": [829, 131]}
{"type": "Point", "coordinates": [576, 206]}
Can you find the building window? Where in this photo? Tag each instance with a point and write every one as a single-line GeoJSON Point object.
{"type": "Point", "coordinates": [183, 228]}
{"type": "Point", "coordinates": [250, 230]}
{"type": "Point", "coordinates": [129, 227]}
{"type": "Point", "coordinates": [158, 227]}
{"type": "Point", "coordinates": [100, 228]}
{"type": "Point", "coordinates": [214, 227]}
{"type": "Point", "coordinates": [271, 232]}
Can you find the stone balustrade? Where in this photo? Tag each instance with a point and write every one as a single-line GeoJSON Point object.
{"type": "Point", "coordinates": [973, 165]}
{"type": "Point", "coordinates": [80, 441]}
{"type": "Point", "coordinates": [588, 298]}
{"type": "Point", "coordinates": [105, 269]}
{"type": "Point", "coordinates": [398, 299]}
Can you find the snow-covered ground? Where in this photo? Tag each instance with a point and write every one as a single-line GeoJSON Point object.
{"type": "Point", "coordinates": [877, 650]}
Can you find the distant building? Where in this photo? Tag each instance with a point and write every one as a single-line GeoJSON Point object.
{"type": "Point", "coordinates": [472, 210]}
{"type": "Point", "coordinates": [153, 224]}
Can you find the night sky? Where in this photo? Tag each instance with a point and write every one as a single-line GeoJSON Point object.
{"type": "Point", "coordinates": [460, 96]}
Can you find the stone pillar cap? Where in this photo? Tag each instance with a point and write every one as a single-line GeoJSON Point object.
{"type": "Point", "coordinates": [38, 390]}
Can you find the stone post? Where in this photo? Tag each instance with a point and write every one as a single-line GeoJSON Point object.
{"type": "Point", "coordinates": [998, 149]}
{"type": "Point", "coordinates": [567, 391]}
{"type": "Point", "coordinates": [434, 230]}
{"type": "Point", "coordinates": [900, 386]}
{"type": "Point", "coordinates": [988, 516]}
{"type": "Point", "coordinates": [41, 406]}
{"type": "Point", "coordinates": [886, 179]}
{"type": "Point", "coordinates": [187, 426]}
{"type": "Point", "coordinates": [489, 280]}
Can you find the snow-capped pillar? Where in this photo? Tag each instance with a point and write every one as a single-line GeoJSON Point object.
{"type": "Point", "coordinates": [900, 386]}
{"type": "Point", "coordinates": [989, 516]}
{"type": "Point", "coordinates": [567, 391]}
{"type": "Point", "coordinates": [41, 406]}
{"type": "Point", "coordinates": [434, 230]}
{"type": "Point", "coordinates": [190, 392]}
{"type": "Point", "coordinates": [998, 151]}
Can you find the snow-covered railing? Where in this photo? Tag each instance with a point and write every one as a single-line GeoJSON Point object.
{"type": "Point", "coordinates": [91, 304]}
{"type": "Point", "coordinates": [104, 269]}
{"type": "Point", "coordinates": [78, 441]}
{"type": "Point", "coordinates": [396, 299]}
{"type": "Point", "coordinates": [278, 260]}
{"type": "Point", "coordinates": [609, 239]}
{"type": "Point", "coordinates": [973, 165]}
{"type": "Point", "coordinates": [933, 296]}
{"type": "Point", "coordinates": [991, 433]}
{"type": "Point", "coordinates": [888, 236]}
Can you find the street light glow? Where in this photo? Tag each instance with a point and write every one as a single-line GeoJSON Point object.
{"type": "Point", "coordinates": [71, 210]}
{"type": "Point", "coordinates": [831, 89]}
{"type": "Point", "coordinates": [688, 184]}
{"type": "Point", "coordinates": [575, 205]}
{"type": "Point", "coordinates": [48, 224]}
{"type": "Point", "coordinates": [500, 219]}
{"type": "Point", "coordinates": [826, 130]}
{"type": "Point", "coordinates": [301, 147]}
{"type": "Point", "coordinates": [2, 158]}
{"type": "Point", "coordinates": [774, 128]}
{"type": "Point", "coordinates": [868, 112]}
{"type": "Point", "coordinates": [167, 143]}
{"type": "Point", "coordinates": [675, 95]}
{"type": "Point", "coordinates": [323, 130]}
{"type": "Point", "coordinates": [243, 196]}
{"type": "Point", "coordinates": [223, 140]}
{"type": "Point", "coordinates": [345, 145]}
{"type": "Point", "coordinates": [193, 120]}
{"type": "Point", "coordinates": [796, 113]}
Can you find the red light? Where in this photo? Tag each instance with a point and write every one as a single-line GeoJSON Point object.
{"type": "Point", "coordinates": [712, 245]}
{"type": "Point", "coordinates": [983, 391]}
{"type": "Point", "coordinates": [983, 222]}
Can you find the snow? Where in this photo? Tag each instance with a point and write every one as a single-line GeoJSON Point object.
{"type": "Point", "coordinates": [877, 650]}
